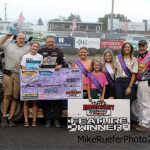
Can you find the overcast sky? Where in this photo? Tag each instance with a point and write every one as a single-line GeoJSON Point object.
{"type": "Point", "coordinates": [89, 10]}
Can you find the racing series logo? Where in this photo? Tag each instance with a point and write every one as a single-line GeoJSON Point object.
{"type": "Point", "coordinates": [96, 109]}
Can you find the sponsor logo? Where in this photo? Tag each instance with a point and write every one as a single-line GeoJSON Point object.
{"type": "Point", "coordinates": [96, 109]}
{"type": "Point", "coordinates": [73, 93]}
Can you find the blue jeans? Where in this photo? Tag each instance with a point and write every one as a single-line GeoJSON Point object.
{"type": "Point", "coordinates": [121, 84]}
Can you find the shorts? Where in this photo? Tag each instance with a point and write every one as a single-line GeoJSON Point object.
{"type": "Point", "coordinates": [85, 95]}
{"type": "Point", "coordinates": [110, 91]}
{"type": "Point", "coordinates": [95, 94]}
{"type": "Point", "coordinates": [11, 85]}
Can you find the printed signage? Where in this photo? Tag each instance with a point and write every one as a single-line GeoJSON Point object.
{"type": "Point", "coordinates": [47, 84]}
{"type": "Point", "coordinates": [87, 42]}
{"type": "Point", "coordinates": [113, 115]}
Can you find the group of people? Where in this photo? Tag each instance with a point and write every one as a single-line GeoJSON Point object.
{"type": "Point", "coordinates": [107, 78]}
{"type": "Point", "coordinates": [18, 55]}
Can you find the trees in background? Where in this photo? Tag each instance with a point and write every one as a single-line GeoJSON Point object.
{"type": "Point", "coordinates": [104, 19]}
{"type": "Point", "coordinates": [69, 18]}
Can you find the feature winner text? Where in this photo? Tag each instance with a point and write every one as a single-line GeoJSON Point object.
{"type": "Point", "coordinates": [98, 124]}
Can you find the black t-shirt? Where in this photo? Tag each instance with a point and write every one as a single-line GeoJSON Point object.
{"type": "Point", "coordinates": [53, 57]}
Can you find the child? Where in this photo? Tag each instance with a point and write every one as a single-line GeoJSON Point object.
{"type": "Point", "coordinates": [96, 82]}
{"type": "Point", "coordinates": [32, 60]}
{"type": "Point", "coordinates": [85, 65]}
{"type": "Point", "coordinates": [109, 69]}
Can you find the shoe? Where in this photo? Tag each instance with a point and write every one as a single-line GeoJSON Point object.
{"type": "Point", "coordinates": [34, 124]}
{"type": "Point", "coordinates": [11, 123]}
{"type": "Point", "coordinates": [48, 124]}
{"type": "Point", "coordinates": [142, 129]}
{"type": "Point", "coordinates": [57, 123]}
{"type": "Point", "coordinates": [4, 122]}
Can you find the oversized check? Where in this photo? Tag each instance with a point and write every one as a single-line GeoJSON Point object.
{"type": "Point", "coordinates": [48, 84]}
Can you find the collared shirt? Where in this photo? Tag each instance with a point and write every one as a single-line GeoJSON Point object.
{"type": "Point", "coordinates": [132, 64]}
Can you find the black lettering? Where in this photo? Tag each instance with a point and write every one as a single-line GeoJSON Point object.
{"type": "Point", "coordinates": [81, 139]}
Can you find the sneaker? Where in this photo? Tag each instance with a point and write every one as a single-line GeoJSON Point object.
{"type": "Point", "coordinates": [57, 123]}
{"type": "Point", "coordinates": [142, 129]}
{"type": "Point", "coordinates": [4, 122]}
{"type": "Point", "coordinates": [48, 124]}
{"type": "Point", "coordinates": [11, 123]}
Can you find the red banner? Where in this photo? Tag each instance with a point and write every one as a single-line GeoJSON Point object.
{"type": "Point", "coordinates": [113, 44]}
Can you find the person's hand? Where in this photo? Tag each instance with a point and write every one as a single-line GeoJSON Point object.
{"type": "Point", "coordinates": [58, 67]}
{"type": "Point", "coordinates": [101, 98]}
{"type": "Point", "coordinates": [8, 35]}
{"type": "Point", "coordinates": [72, 65]}
{"type": "Point", "coordinates": [90, 99]}
{"type": "Point", "coordinates": [128, 91]}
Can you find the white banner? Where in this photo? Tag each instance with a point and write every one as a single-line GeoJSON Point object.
{"type": "Point", "coordinates": [86, 116]}
{"type": "Point", "coordinates": [116, 24]}
{"type": "Point", "coordinates": [87, 42]}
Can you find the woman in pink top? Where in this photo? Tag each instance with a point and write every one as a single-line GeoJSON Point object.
{"type": "Point", "coordinates": [96, 82]}
{"type": "Point", "coordinates": [85, 65]}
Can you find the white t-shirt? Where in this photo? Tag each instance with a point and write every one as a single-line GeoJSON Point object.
{"type": "Point", "coordinates": [110, 70]}
{"type": "Point", "coordinates": [32, 61]}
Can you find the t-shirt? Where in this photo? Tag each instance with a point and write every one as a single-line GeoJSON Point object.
{"type": "Point", "coordinates": [87, 65]}
{"type": "Point", "coordinates": [132, 64]}
{"type": "Point", "coordinates": [13, 55]}
{"type": "Point", "coordinates": [110, 70]}
{"type": "Point", "coordinates": [146, 62]}
{"type": "Point", "coordinates": [32, 61]}
{"type": "Point", "coordinates": [53, 57]}
{"type": "Point", "coordinates": [100, 77]}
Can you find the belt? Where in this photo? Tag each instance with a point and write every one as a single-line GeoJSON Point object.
{"type": "Point", "coordinates": [123, 78]}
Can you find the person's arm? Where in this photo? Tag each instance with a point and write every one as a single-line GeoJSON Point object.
{"type": "Point", "coordinates": [41, 61]}
{"type": "Point", "coordinates": [61, 61]}
{"type": "Point", "coordinates": [132, 81]}
{"type": "Point", "coordinates": [103, 94]}
{"type": "Point", "coordinates": [23, 67]}
{"type": "Point", "coordinates": [4, 39]}
{"type": "Point", "coordinates": [89, 93]}
{"type": "Point", "coordinates": [133, 78]}
{"type": "Point", "coordinates": [88, 88]}
{"type": "Point", "coordinates": [23, 62]}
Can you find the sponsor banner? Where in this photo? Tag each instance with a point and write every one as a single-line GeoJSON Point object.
{"type": "Point", "coordinates": [113, 115]}
{"type": "Point", "coordinates": [113, 44]}
{"type": "Point", "coordinates": [87, 42]}
{"type": "Point", "coordinates": [126, 26]}
{"type": "Point", "coordinates": [64, 41]}
{"type": "Point", "coordinates": [47, 84]}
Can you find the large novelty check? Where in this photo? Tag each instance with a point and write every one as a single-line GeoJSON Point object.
{"type": "Point", "coordinates": [48, 84]}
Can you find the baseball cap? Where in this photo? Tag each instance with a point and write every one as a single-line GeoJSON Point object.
{"type": "Point", "coordinates": [142, 42]}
